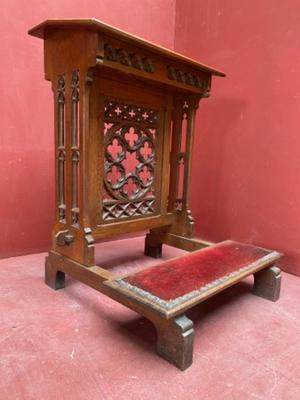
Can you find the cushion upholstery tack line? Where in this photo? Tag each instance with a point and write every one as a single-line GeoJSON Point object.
{"type": "Point", "coordinates": [168, 285]}
{"type": "Point", "coordinates": [170, 288]}
{"type": "Point", "coordinates": [184, 274]}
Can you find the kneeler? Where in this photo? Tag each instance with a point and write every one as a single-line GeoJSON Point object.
{"type": "Point", "coordinates": [124, 118]}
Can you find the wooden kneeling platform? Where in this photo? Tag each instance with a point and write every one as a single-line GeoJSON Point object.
{"type": "Point", "coordinates": [164, 292]}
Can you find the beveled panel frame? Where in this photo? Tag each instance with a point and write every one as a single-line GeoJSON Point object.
{"type": "Point", "coordinates": [144, 98]}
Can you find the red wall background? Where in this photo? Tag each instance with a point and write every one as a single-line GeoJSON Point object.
{"type": "Point", "coordinates": [26, 138]}
{"type": "Point", "coordinates": [247, 152]}
{"type": "Point", "coordinates": [246, 167]}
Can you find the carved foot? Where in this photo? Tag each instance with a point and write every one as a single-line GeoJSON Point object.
{"type": "Point", "coordinates": [267, 283]}
{"type": "Point", "coordinates": [175, 339]}
{"type": "Point", "coordinates": [53, 277]}
{"type": "Point", "coordinates": [153, 248]}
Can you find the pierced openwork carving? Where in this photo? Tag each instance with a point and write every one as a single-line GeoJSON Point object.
{"type": "Point", "coordinates": [116, 112]}
{"type": "Point", "coordinates": [75, 145]}
{"type": "Point", "coordinates": [181, 157]}
{"type": "Point", "coordinates": [188, 78]}
{"type": "Point", "coordinates": [130, 135]}
{"type": "Point", "coordinates": [129, 59]}
{"type": "Point", "coordinates": [61, 151]}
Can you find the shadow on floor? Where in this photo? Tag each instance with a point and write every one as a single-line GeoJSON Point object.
{"type": "Point", "coordinates": [141, 331]}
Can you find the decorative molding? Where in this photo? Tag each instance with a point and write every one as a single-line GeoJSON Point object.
{"type": "Point", "coordinates": [113, 209]}
{"type": "Point", "coordinates": [129, 59]}
{"type": "Point", "coordinates": [187, 78]}
{"type": "Point", "coordinates": [89, 237]}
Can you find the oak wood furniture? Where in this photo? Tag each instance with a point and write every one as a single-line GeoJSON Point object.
{"type": "Point", "coordinates": [124, 113]}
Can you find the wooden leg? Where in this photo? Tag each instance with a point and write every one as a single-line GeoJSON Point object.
{"type": "Point", "coordinates": [53, 277]}
{"type": "Point", "coordinates": [153, 247]}
{"type": "Point", "coordinates": [175, 339]}
{"type": "Point", "coordinates": [267, 283]}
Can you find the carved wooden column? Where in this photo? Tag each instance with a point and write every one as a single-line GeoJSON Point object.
{"type": "Point", "coordinates": [183, 135]}
{"type": "Point", "coordinates": [71, 117]}
{"type": "Point", "coordinates": [184, 114]}
{"type": "Point", "coordinates": [60, 147]}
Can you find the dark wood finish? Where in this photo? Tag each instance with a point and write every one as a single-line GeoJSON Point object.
{"type": "Point", "coordinates": [175, 341]}
{"type": "Point", "coordinates": [134, 176]}
{"type": "Point", "coordinates": [174, 336]}
{"type": "Point", "coordinates": [153, 246]}
{"type": "Point", "coordinates": [54, 277]}
{"type": "Point", "coordinates": [94, 25]}
{"type": "Point", "coordinates": [175, 331]}
{"type": "Point", "coordinates": [267, 283]}
{"type": "Point", "coordinates": [124, 117]}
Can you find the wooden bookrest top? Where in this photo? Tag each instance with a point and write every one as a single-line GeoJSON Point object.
{"type": "Point", "coordinates": [174, 286]}
{"type": "Point", "coordinates": [99, 26]}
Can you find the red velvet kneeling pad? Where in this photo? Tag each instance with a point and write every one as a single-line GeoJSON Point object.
{"type": "Point", "coordinates": [181, 275]}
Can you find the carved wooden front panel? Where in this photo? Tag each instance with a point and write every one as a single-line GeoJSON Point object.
{"type": "Point", "coordinates": [131, 137]}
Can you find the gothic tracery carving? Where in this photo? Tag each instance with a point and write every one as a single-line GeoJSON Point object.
{"type": "Point", "coordinates": [130, 136]}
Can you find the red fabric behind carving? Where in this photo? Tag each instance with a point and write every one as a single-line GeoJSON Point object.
{"type": "Point", "coordinates": [184, 274]}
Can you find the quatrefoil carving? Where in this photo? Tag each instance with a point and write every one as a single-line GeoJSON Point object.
{"type": "Point", "coordinates": [129, 161]}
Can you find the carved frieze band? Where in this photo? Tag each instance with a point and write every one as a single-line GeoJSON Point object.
{"type": "Point", "coordinates": [129, 59]}
{"type": "Point", "coordinates": [61, 150]}
{"type": "Point", "coordinates": [113, 209]}
{"type": "Point", "coordinates": [178, 75]}
{"type": "Point", "coordinates": [116, 111]}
